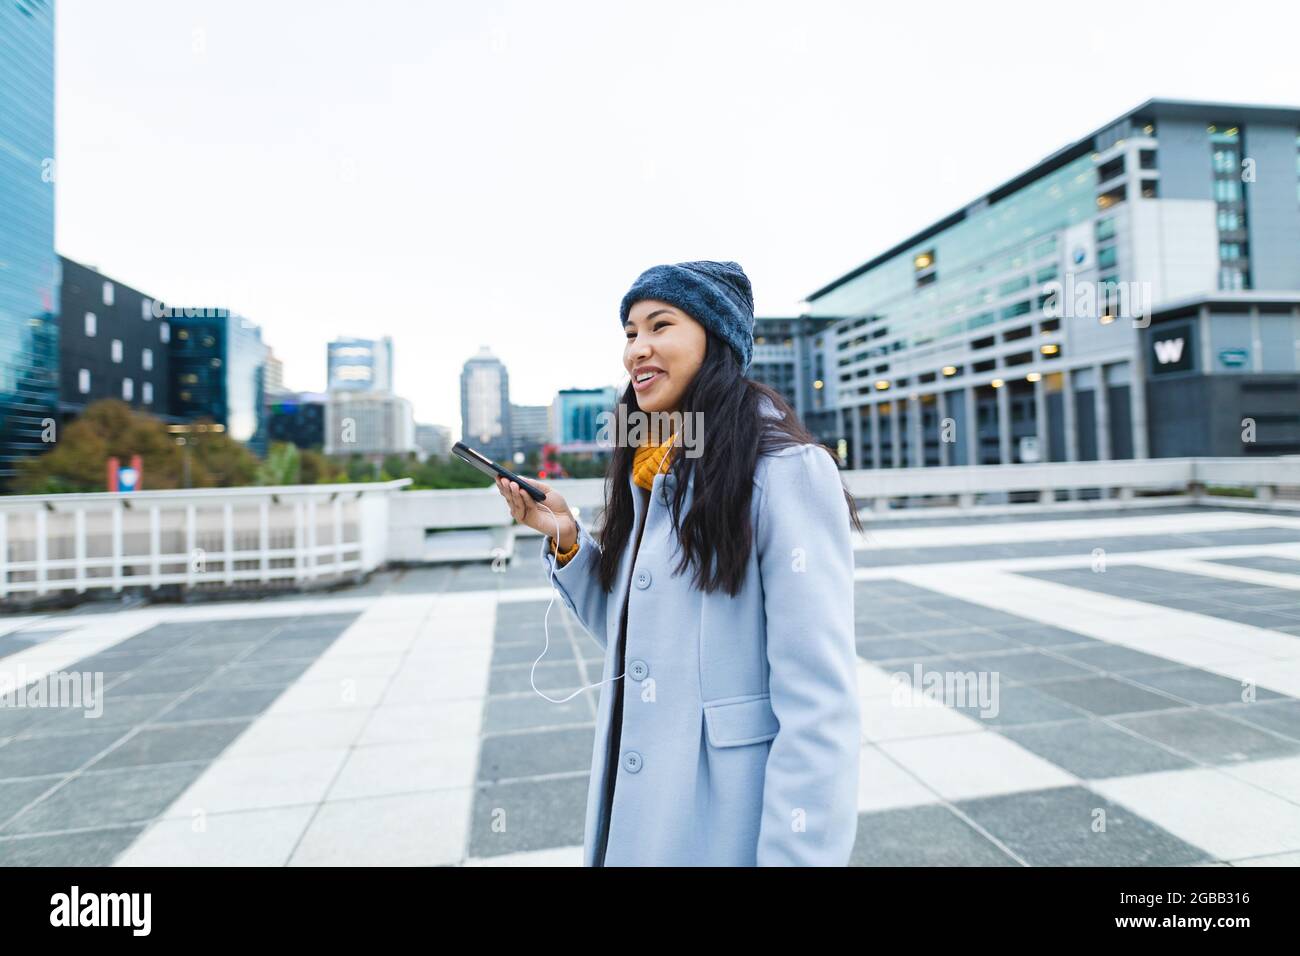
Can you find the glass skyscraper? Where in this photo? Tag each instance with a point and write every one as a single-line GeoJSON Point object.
{"type": "Point", "coordinates": [29, 272]}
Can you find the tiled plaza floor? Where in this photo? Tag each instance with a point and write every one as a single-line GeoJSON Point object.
{"type": "Point", "coordinates": [1146, 710]}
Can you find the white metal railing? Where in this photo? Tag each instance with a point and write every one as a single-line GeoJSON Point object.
{"type": "Point", "coordinates": [232, 537]}
{"type": "Point", "coordinates": [419, 515]}
{"type": "Point", "coordinates": [196, 538]}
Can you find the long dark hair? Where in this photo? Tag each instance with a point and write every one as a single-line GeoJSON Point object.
{"type": "Point", "coordinates": [716, 535]}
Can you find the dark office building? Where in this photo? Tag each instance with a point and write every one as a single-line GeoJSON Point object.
{"type": "Point", "coordinates": [218, 371]}
{"type": "Point", "coordinates": [112, 344]}
{"type": "Point", "coordinates": [297, 418]}
{"type": "Point", "coordinates": [29, 336]}
{"type": "Point", "coordinates": [789, 357]}
{"type": "Point", "coordinates": [1223, 376]}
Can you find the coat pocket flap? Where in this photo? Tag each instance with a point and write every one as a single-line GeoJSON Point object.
{"type": "Point", "coordinates": [733, 723]}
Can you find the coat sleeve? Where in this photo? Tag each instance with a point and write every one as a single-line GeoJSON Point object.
{"type": "Point", "coordinates": [805, 554]}
{"type": "Point", "coordinates": [578, 582]}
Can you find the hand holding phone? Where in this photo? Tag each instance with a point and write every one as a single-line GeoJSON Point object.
{"type": "Point", "coordinates": [528, 500]}
{"type": "Point", "coordinates": [534, 514]}
{"type": "Point", "coordinates": [490, 468]}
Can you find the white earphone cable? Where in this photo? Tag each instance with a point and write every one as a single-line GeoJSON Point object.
{"type": "Point", "coordinates": [546, 621]}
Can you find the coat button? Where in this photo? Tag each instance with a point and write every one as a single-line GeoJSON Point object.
{"type": "Point", "coordinates": [631, 761]}
{"type": "Point", "coordinates": [643, 579]}
{"type": "Point", "coordinates": [639, 669]}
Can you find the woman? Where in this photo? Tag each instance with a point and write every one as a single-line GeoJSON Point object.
{"type": "Point", "coordinates": [722, 591]}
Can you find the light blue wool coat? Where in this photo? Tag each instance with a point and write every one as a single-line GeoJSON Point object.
{"type": "Point", "coordinates": [741, 727]}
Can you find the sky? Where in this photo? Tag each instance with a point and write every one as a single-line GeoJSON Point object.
{"type": "Point", "coordinates": [495, 173]}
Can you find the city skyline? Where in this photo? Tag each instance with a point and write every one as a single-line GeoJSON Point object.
{"type": "Point", "coordinates": [446, 237]}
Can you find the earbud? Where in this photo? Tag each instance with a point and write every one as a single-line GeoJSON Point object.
{"type": "Point", "coordinates": [546, 623]}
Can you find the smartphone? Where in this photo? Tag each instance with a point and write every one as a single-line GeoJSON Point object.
{"type": "Point", "coordinates": [493, 470]}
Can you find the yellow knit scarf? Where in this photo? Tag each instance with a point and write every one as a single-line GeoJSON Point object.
{"type": "Point", "coordinates": [649, 460]}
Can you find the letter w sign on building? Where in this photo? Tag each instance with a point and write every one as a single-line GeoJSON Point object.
{"type": "Point", "coordinates": [1172, 350]}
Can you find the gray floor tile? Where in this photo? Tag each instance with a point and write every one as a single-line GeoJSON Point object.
{"type": "Point", "coordinates": [531, 712]}
{"type": "Point", "coordinates": [1107, 696]}
{"type": "Point", "coordinates": [1279, 716]}
{"type": "Point", "coordinates": [557, 679]}
{"type": "Point", "coordinates": [221, 702]}
{"type": "Point", "coordinates": [968, 641]}
{"type": "Point", "coordinates": [1210, 737]}
{"type": "Point", "coordinates": [504, 756]}
{"type": "Point", "coordinates": [1201, 687]}
{"type": "Point", "coordinates": [528, 815]}
{"type": "Point", "coordinates": [1058, 827]}
{"type": "Point", "coordinates": [1020, 704]}
{"type": "Point", "coordinates": [158, 681]}
{"type": "Point", "coordinates": [61, 753]}
{"type": "Point", "coordinates": [930, 835]}
{"type": "Point", "coordinates": [121, 712]}
{"type": "Point", "coordinates": [1028, 666]}
{"type": "Point", "coordinates": [1115, 659]}
{"type": "Point", "coordinates": [172, 744]}
{"type": "Point", "coordinates": [16, 794]}
{"type": "Point", "coordinates": [88, 848]}
{"type": "Point", "coordinates": [525, 652]}
{"type": "Point", "coordinates": [1093, 750]}
{"type": "Point", "coordinates": [894, 649]}
{"type": "Point", "coordinates": [106, 799]}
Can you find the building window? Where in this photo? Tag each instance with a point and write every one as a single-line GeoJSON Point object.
{"type": "Point", "coordinates": [1231, 278]}
{"type": "Point", "coordinates": [116, 350]}
{"type": "Point", "coordinates": [90, 325]}
{"type": "Point", "coordinates": [147, 393]}
{"type": "Point", "coordinates": [1111, 169]}
{"type": "Point", "coordinates": [146, 359]}
{"type": "Point", "coordinates": [1105, 228]}
{"type": "Point", "coordinates": [1225, 160]}
{"type": "Point", "coordinates": [1108, 199]}
{"type": "Point", "coordinates": [128, 390]}
{"type": "Point", "coordinates": [1229, 221]}
{"type": "Point", "coordinates": [146, 309]}
{"type": "Point", "coordinates": [164, 332]}
{"type": "Point", "coordinates": [923, 266]}
{"type": "Point", "coordinates": [1147, 159]}
{"type": "Point", "coordinates": [1227, 190]}
{"type": "Point", "coordinates": [83, 381]}
{"type": "Point", "coordinates": [1223, 133]}
{"type": "Point", "coordinates": [1015, 285]}
{"type": "Point", "coordinates": [1044, 248]}
{"type": "Point", "coordinates": [108, 292]}
{"type": "Point", "coordinates": [1106, 257]}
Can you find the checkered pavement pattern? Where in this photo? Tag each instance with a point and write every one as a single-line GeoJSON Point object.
{"type": "Point", "coordinates": [1122, 689]}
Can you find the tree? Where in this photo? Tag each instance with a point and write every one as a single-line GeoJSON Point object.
{"type": "Point", "coordinates": [222, 462]}
{"type": "Point", "coordinates": [282, 465]}
{"type": "Point", "coordinates": [315, 468]}
{"type": "Point", "coordinates": [78, 462]}
{"type": "Point", "coordinates": [108, 427]}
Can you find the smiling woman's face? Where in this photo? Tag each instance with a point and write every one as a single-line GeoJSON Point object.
{"type": "Point", "coordinates": [664, 340]}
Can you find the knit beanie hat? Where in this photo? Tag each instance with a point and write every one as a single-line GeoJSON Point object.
{"type": "Point", "coordinates": [715, 294]}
